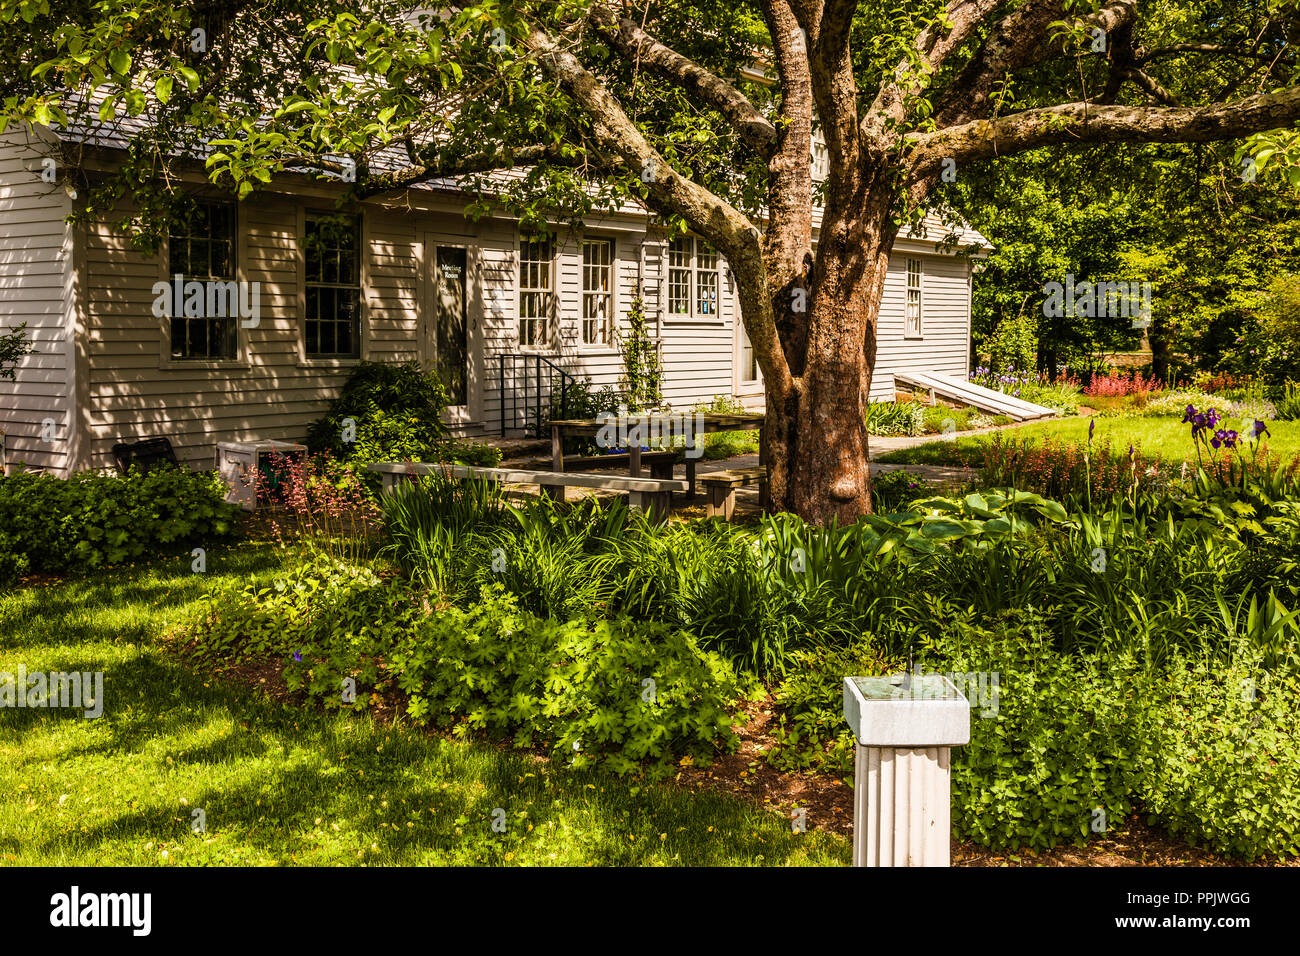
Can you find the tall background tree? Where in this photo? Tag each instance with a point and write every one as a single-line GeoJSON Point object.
{"type": "Point", "coordinates": [661, 101]}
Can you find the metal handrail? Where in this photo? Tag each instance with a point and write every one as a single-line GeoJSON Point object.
{"type": "Point", "coordinates": [539, 360]}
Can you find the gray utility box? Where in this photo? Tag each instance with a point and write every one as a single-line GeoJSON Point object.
{"type": "Point", "coordinates": [905, 727]}
{"type": "Point", "coordinates": [247, 468]}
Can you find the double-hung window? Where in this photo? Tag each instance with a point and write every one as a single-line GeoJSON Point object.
{"type": "Point", "coordinates": [201, 249]}
{"type": "Point", "coordinates": [597, 291]}
{"type": "Point", "coordinates": [536, 292]}
{"type": "Point", "coordinates": [332, 328]}
{"type": "Point", "coordinates": [912, 318]}
{"type": "Point", "coordinates": [692, 279]}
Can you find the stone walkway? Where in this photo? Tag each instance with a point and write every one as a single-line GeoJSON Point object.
{"type": "Point", "coordinates": [947, 477]}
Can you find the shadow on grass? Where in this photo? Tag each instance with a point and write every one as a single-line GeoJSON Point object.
{"type": "Point", "coordinates": [284, 785]}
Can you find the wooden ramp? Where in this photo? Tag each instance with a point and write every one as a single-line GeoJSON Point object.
{"type": "Point", "coordinates": [985, 399]}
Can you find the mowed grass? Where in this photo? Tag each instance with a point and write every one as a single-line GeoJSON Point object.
{"type": "Point", "coordinates": [281, 785]}
{"type": "Point", "coordinates": [1163, 436]}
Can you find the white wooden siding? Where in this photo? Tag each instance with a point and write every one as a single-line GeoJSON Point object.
{"type": "Point", "coordinates": [37, 286]}
{"type": "Point", "coordinates": [133, 390]}
{"type": "Point", "coordinates": [945, 321]}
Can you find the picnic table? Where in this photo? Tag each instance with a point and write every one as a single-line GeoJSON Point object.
{"type": "Point", "coordinates": [710, 422]}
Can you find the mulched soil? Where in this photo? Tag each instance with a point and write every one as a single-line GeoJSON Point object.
{"type": "Point", "coordinates": [828, 801]}
{"type": "Point", "coordinates": [829, 805]}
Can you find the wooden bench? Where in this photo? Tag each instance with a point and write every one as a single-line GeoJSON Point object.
{"type": "Point", "coordinates": [650, 494]}
{"type": "Point", "coordinates": [660, 462]}
{"type": "Point", "coordinates": [721, 487]}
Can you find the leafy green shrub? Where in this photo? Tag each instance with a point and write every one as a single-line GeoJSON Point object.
{"type": "Point", "coordinates": [618, 694]}
{"type": "Point", "coordinates": [891, 490]}
{"type": "Point", "coordinates": [1056, 741]}
{"type": "Point", "coordinates": [1013, 344]}
{"type": "Point", "coordinates": [93, 519]}
{"type": "Point", "coordinates": [1222, 762]}
{"type": "Point", "coordinates": [895, 418]}
{"type": "Point", "coordinates": [1288, 402]}
{"type": "Point", "coordinates": [13, 346]}
{"type": "Point", "coordinates": [474, 453]}
{"type": "Point", "coordinates": [808, 728]}
{"type": "Point", "coordinates": [397, 413]}
{"type": "Point", "coordinates": [1063, 394]}
{"type": "Point", "coordinates": [614, 693]}
{"type": "Point", "coordinates": [13, 560]}
{"type": "Point", "coordinates": [720, 445]}
{"type": "Point", "coordinates": [580, 401]}
{"type": "Point", "coordinates": [1062, 744]}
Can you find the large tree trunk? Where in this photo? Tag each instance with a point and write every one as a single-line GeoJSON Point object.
{"type": "Point", "coordinates": [816, 437]}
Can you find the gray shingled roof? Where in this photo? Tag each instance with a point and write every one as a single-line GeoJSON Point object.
{"type": "Point", "coordinates": [936, 227]}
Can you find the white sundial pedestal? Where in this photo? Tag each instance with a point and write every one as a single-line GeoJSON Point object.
{"type": "Point", "coordinates": [905, 730]}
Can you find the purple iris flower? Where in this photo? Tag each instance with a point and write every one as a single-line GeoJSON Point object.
{"type": "Point", "coordinates": [297, 656]}
{"type": "Point", "coordinates": [1224, 437]}
{"type": "Point", "coordinates": [1259, 428]}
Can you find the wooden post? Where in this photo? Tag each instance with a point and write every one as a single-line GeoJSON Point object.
{"type": "Point", "coordinates": [557, 448]}
{"type": "Point", "coordinates": [634, 459]}
{"type": "Point", "coordinates": [722, 501]}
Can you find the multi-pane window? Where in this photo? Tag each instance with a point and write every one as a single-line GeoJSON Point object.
{"type": "Point", "coordinates": [201, 248]}
{"type": "Point", "coordinates": [597, 290]}
{"type": "Point", "coordinates": [536, 291]}
{"type": "Point", "coordinates": [912, 326]}
{"type": "Point", "coordinates": [680, 251]}
{"type": "Point", "coordinates": [748, 360]}
{"type": "Point", "coordinates": [692, 278]}
{"type": "Point", "coordinates": [706, 279]}
{"type": "Point", "coordinates": [332, 326]}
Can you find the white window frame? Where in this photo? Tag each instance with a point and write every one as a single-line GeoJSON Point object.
{"type": "Point", "coordinates": [543, 322]}
{"type": "Point", "coordinates": [595, 300]}
{"type": "Point", "coordinates": [689, 256]}
{"type": "Point", "coordinates": [913, 318]}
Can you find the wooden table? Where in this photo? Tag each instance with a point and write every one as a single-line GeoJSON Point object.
{"type": "Point", "coordinates": [710, 422]}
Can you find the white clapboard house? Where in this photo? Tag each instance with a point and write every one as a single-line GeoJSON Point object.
{"type": "Point", "coordinates": [499, 313]}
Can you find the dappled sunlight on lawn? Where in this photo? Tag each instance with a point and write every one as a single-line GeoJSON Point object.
{"type": "Point", "coordinates": [277, 784]}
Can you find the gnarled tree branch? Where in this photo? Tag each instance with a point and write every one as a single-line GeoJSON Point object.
{"type": "Point", "coordinates": [754, 128]}
{"type": "Point", "coordinates": [1090, 123]}
{"type": "Point", "coordinates": [670, 193]}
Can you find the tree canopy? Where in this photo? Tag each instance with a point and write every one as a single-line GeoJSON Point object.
{"type": "Point", "coordinates": [702, 110]}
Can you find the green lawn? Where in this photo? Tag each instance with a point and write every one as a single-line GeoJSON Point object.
{"type": "Point", "coordinates": [1165, 436]}
{"type": "Point", "coordinates": [283, 786]}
